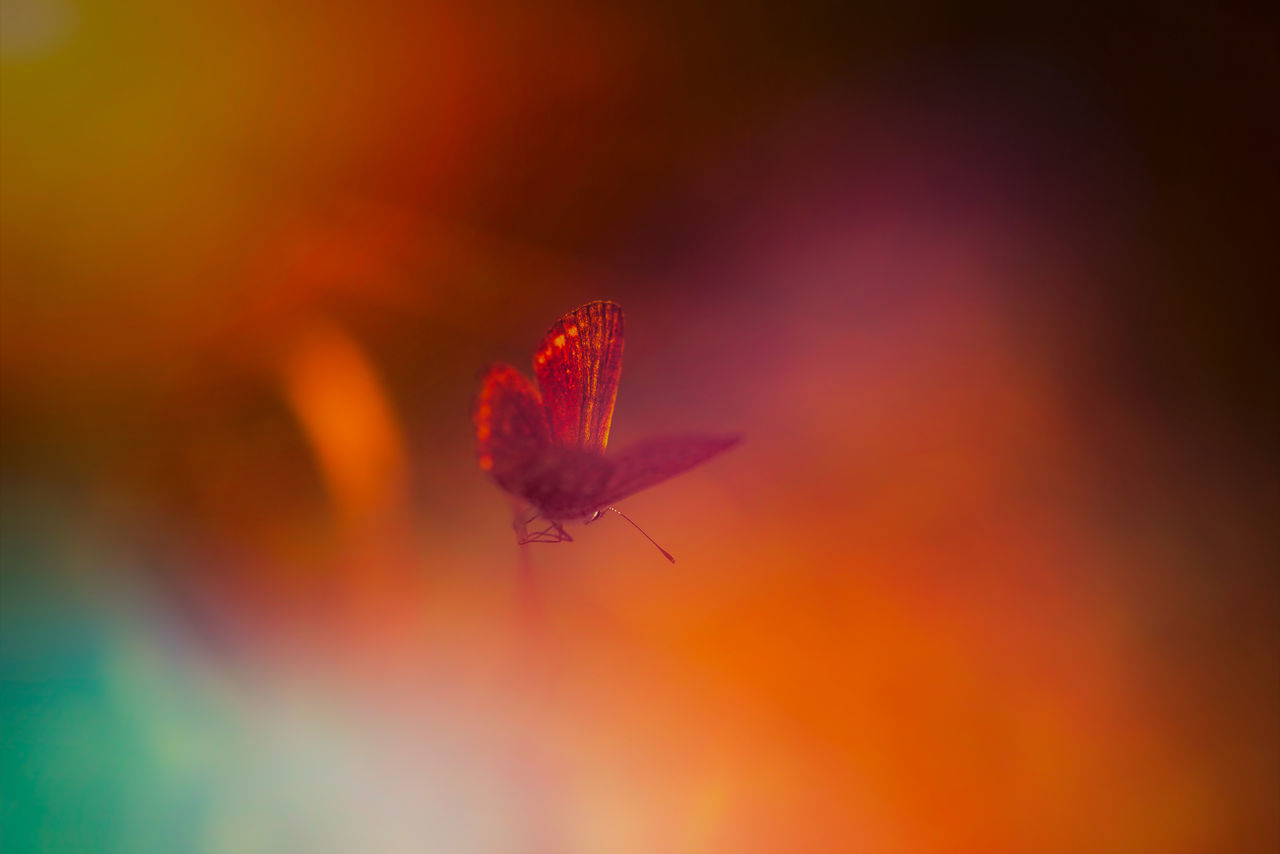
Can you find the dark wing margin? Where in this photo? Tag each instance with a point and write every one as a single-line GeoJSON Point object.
{"type": "Point", "coordinates": [510, 422]}
{"type": "Point", "coordinates": [650, 462]}
{"type": "Point", "coordinates": [578, 365]}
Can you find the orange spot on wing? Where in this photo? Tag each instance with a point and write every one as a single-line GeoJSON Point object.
{"type": "Point", "coordinates": [572, 332]}
{"type": "Point", "coordinates": [559, 340]}
{"type": "Point", "coordinates": [483, 432]}
{"type": "Point", "coordinates": [486, 462]}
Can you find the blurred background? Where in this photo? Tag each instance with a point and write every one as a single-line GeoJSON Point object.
{"type": "Point", "coordinates": [988, 290]}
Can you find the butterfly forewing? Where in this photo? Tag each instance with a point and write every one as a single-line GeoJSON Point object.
{"type": "Point", "coordinates": [578, 365]}
{"type": "Point", "coordinates": [655, 460]}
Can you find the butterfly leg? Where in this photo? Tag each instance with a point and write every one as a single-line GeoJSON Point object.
{"type": "Point", "coordinates": [553, 533]}
{"type": "Point", "coordinates": [521, 517]}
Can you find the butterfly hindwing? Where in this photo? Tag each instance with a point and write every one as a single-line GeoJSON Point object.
{"type": "Point", "coordinates": [578, 365]}
{"type": "Point", "coordinates": [511, 424]}
{"type": "Point", "coordinates": [655, 460]}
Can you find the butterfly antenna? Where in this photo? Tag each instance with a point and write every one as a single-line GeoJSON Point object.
{"type": "Point", "coordinates": [665, 553]}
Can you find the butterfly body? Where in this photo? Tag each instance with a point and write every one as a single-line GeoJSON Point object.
{"type": "Point", "coordinates": [546, 445]}
{"type": "Point", "coordinates": [565, 485]}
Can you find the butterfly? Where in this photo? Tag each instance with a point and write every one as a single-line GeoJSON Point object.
{"type": "Point", "coordinates": [546, 445]}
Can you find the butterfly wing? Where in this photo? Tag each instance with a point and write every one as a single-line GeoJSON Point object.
{"type": "Point", "coordinates": [578, 366]}
{"type": "Point", "coordinates": [655, 460]}
{"type": "Point", "coordinates": [514, 442]}
{"type": "Point", "coordinates": [511, 424]}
